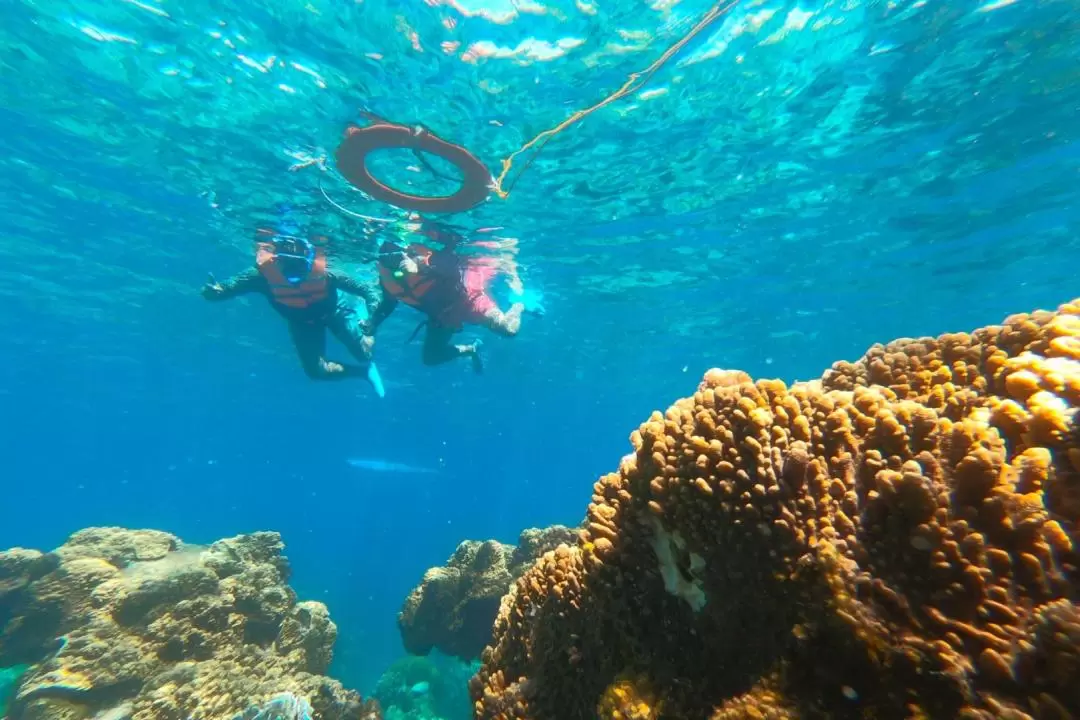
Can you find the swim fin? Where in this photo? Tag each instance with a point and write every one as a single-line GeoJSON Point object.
{"type": "Point", "coordinates": [533, 300]}
{"type": "Point", "coordinates": [375, 379]}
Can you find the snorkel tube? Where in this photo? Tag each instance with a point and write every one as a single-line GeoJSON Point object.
{"type": "Point", "coordinates": [288, 224]}
{"type": "Point", "coordinates": [298, 252]}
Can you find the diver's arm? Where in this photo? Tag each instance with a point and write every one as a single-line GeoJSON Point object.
{"type": "Point", "coordinates": [386, 305]}
{"type": "Point", "coordinates": [348, 284]}
{"type": "Point", "coordinates": [246, 282]}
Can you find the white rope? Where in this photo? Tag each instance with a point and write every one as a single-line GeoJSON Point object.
{"type": "Point", "coordinates": [346, 210]}
{"type": "Point", "coordinates": [319, 161]}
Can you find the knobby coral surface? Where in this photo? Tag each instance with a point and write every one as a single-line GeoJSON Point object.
{"type": "Point", "coordinates": [454, 606]}
{"type": "Point", "coordinates": [894, 540]}
{"type": "Point", "coordinates": [134, 624]}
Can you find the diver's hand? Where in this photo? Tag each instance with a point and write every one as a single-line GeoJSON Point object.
{"type": "Point", "coordinates": [212, 288]}
{"type": "Point", "coordinates": [367, 344]}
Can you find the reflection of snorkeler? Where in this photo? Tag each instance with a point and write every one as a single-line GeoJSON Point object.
{"type": "Point", "coordinates": [293, 274]}
{"type": "Point", "coordinates": [452, 291]}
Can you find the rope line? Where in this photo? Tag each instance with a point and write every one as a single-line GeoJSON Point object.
{"type": "Point", "coordinates": [499, 184]}
{"type": "Point", "coordinates": [632, 83]}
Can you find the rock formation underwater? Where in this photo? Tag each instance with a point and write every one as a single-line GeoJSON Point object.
{"type": "Point", "coordinates": [134, 624]}
{"type": "Point", "coordinates": [454, 606]}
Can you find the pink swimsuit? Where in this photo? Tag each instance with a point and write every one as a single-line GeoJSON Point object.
{"type": "Point", "coordinates": [475, 303]}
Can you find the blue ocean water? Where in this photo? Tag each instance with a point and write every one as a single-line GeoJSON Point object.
{"type": "Point", "coordinates": [802, 180]}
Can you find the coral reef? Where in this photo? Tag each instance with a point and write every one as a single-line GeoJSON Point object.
{"type": "Point", "coordinates": [895, 540]}
{"type": "Point", "coordinates": [134, 624]}
{"type": "Point", "coordinates": [433, 687]}
{"type": "Point", "coordinates": [284, 706]}
{"type": "Point", "coordinates": [454, 606]}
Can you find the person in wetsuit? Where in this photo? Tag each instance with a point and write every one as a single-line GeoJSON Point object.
{"type": "Point", "coordinates": [292, 273]}
{"type": "Point", "coordinates": [451, 290]}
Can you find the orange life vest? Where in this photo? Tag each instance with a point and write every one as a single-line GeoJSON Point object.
{"type": "Point", "coordinates": [313, 289]}
{"type": "Point", "coordinates": [410, 288]}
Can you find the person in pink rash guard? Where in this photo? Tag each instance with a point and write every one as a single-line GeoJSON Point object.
{"type": "Point", "coordinates": [451, 290]}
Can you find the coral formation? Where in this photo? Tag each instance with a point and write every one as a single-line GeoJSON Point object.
{"type": "Point", "coordinates": [433, 687]}
{"type": "Point", "coordinates": [134, 624]}
{"type": "Point", "coordinates": [284, 706]}
{"type": "Point", "coordinates": [454, 606]}
{"type": "Point", "coordinates": [894, 540]}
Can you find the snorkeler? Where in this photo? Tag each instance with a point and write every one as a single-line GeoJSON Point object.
{"type": "Point", "coordinates": [292, 273]}
{"type": "Point", "coordinates": [452, 291]}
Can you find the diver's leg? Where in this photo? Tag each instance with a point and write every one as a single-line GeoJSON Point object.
{"type": "Point", "coordinates": [438, 348]}
{"type": "Point", "coordinates": [309, 339]}
{"type": "Point", "coordinates": [502, 323]}
{"type": "Point", "coordinates": [345, 325]}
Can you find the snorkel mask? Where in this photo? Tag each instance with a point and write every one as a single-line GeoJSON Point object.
{"type": "Point", "coordinates": [393, 257]}
{"type": "Point", "coordinates": [295, 254]}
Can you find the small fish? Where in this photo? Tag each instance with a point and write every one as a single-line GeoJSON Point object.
{"type": "Point", "coordinates": [377, 465]}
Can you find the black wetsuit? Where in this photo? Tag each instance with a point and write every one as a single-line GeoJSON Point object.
{"type": "Point", "coordinates": [308, 326]}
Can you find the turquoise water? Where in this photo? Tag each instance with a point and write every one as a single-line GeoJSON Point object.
{"type": "Point", "coordinates": [799, 182]}
{"type": "Point", "coordinates": [8, 678]}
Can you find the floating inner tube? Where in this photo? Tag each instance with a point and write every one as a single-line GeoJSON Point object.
{"type": "Point", "coordinates": [360, 141]}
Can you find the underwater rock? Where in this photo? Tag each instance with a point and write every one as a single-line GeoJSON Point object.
{"type": "Point", "coordinates": [141, 626]}
{"type": "Point", "coordinates": [308, 632]}
{"type": "Point", "coordinates": [118, 546]}
{"type": "Point", "coordinates": [285, 706]}
{"type": "Point", "coordinates": [897, 539]}
{"type": "Point", "coordinates": [455, 606]}
{"type": "Point", "coordinates": [19, 568]}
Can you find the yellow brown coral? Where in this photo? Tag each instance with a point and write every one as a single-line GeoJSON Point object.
{"type": "Point", "coordinates": [628, 698]}
{"type": "Point", "coordinates": [135, 624]}
{"type": "Point", "coordinates": [894, 540]}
